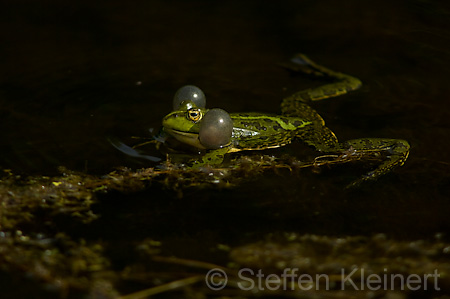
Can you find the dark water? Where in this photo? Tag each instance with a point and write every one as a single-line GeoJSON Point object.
{"type": "Point", "coordinates": [73, 74]}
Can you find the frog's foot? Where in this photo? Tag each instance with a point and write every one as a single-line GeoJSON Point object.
{"type": "Point", "coordinates": [395, 152]}
{"type": "Point", "coordinates": [131, 151]}
{"type": "Point", "coordinates": [152, 141]}
{"type": "Point", "coordinates": [302, 64]}
{"type": "Point", "coordinates": [344, 83]}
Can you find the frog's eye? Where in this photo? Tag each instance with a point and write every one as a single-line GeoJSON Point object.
{"type": "Point", "coordinates": [189, 93]}
{"type": "Point", "coordinates": [194, 114]}
{"type": "Point", "coordinates": [215, 129]}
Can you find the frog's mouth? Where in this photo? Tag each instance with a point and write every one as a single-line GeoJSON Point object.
{"type": "Point", "coordinates": [185, 137]}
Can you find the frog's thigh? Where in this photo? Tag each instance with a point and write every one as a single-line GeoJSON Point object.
{"type": "Point", "coordinates": [291, 107]}
{"type": "Point", "coordinates": [320, 137]}
{"type": "Point", "coordinates": [397, 149]}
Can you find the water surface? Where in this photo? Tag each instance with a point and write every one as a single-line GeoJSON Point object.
{"type": "Point", "coordinates": [74, 75]}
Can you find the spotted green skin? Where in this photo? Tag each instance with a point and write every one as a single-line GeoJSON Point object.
{"type": "Point", "coordinates": [258, 131]}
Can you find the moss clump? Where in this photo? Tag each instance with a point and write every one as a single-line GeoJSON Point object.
{"type": "Point", "coordinates": [33, 244]}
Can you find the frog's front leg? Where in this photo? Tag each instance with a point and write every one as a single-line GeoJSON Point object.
{"type": "Point", "coordinates": [211, 157]}
{"type": "Point", "coordinates": [396, 152]}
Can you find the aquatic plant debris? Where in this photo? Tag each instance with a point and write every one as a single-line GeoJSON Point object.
{"type": "Point", "coordinates": [32, 246]}
{"type": "Point", "coordinates": [338, 268]}
{"type": "Point", "coordinates": [73, 193]}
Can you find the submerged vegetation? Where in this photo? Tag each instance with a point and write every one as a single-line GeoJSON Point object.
{"type": "Point", "coordinates": [36, 241]}
{"type": "Point", "coordinates": [73, 193]}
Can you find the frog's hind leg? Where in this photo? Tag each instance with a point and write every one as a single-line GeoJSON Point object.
{"type": "Point", "coordinates": [343, 83]}
{"type": "Point", "coordinates": [394, 151]}
{"type": "Point", "coordinates": [319, 137]}
{"type": "Point", "coordinates": [316, 134]}
{"type": "Point", "coordinates": [390, 153]}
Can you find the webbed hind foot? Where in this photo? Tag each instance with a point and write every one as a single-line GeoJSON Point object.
{"type": "Point", "coordinates": [397, 151]}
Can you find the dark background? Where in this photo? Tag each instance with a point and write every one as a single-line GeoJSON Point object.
{"type": "Point", "coordinates": [75, 73]}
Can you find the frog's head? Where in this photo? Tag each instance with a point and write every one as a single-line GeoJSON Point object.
{"type": "Point", "coordinates": [184, 123]}
{"type": "Point", "coordinates": [192, 124]}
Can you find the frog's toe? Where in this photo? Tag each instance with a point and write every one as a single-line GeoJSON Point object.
{"type": "Point", "coordinates": [301, 59]}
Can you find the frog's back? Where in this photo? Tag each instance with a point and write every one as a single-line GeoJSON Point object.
{"type": "Point", "coordinates": [255, 131]}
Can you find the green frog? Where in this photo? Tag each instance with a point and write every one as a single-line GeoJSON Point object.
{"type": "Point", "coordinates": [216, 133]}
